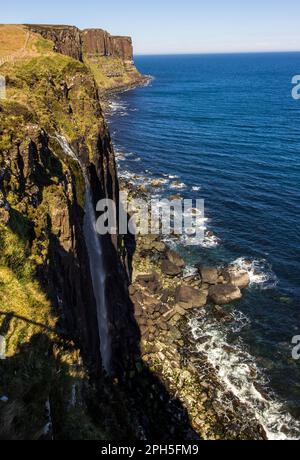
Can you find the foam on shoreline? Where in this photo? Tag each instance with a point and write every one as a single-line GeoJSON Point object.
{"type": "Point", "coordinates": [238, 373]}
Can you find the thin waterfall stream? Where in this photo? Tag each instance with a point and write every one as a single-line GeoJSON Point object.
{"type": "Point", "coordinates": [95, 253]}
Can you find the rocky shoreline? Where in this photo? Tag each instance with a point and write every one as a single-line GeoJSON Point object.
{"type": "Point", "coordinates": [164, 299]}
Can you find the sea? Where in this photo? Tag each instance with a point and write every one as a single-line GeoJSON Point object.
{"type": "Point", "coordinates": [226, 129]}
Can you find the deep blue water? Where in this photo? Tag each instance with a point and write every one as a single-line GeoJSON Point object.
{"type": "Point", "coordinates": [228, 124]}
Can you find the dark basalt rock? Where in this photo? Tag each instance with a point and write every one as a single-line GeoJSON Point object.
{"type": "Point", "coordinates": [221, 315]}
{"type": "Point", "coordinates": [170, 269]}
{"type": "Point", "coordinates": [209, 275]}
{"type": "Point", "coordinates": [150, 282]}
{"type": "Point", "coordinates": [71, 41]}
{"type": "Point", "coordinates": [175, 258]}
{"type": "Point", "coordinates": [66, 39]}
{"type": "Point", "coordinates": [224, 294]}
{"type": "Point", "coordinates": [189, 297]}
{"type": "Point", "coordinates": [239, 278]}
{"type": "Point", "coordinates": [98, 42]}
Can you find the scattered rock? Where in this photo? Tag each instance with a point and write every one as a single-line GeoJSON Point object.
{"type": "Point", "coordinates": [156, 183]}
{"type": "Point", "coordinates": [190, 297]}
{"type": "Point", "coordinates": [180, 311]}
{"type": "Point", "coordinates": [166, 294]}
{"type": "Point", "coordinates": [170, 269]}
{"type": "Point", "coordinates": [175, 258]}
{"type": "Point", "coordinates": [209, 275]}
{"type": "Point", "coordinates": [222, 315]}
{"type": "Point", "coordinates": [175, 198]}
{"type": "Point", "coordinates": [149, 281]}
{"type": "Point", "coordinates": [159, 246]}
{"type": "Point", "coordinates": [224, 293]}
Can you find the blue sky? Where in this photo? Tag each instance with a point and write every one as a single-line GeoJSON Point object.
{"type": "Point", "coordinates": [173, 26]}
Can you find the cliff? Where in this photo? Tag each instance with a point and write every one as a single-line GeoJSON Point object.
{"type": "Point", "coordinates": [93, 335]}
{"type": "Point", "coordinates": [97, 42]}
{"type": "Point", "coordinates": [66, 39]}
{"type": "Point", "coordinates": [110, 58]}
{"type": "Point", "coordinates": [56, 162]}
{"type": "Point", "coordinates": [46, 287]}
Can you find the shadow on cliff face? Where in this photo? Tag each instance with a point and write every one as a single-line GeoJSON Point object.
{"type": "Point", "coordinates": [52, 396]}
{"type": "Point", "coordinates": [135, 404]}
{"type": "Point", "coordinates": [53, 390]}
{"type": "Point", "coordinates": [48, 396]}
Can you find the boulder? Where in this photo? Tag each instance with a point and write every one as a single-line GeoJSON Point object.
{"type": "Point", "coordinates": [222, 294]}
{"type": "Point", "coordinates": [209, 275]}
{"type": "Point", "coordinates": [159, 246]}
{"type": "Point", "coordinates": [170, 269]}
{"type": "Point", "coordinates": [149, 281]}
{"type": "Point", "coordinates": [239, 278]}
{"type": "Point", "coordinates": [175, 258]}
{"type": "Point", "coordinates": [190, 297]}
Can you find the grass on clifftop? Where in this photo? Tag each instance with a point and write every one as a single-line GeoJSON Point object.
{"type": "Point", "coordinates": [17, 42]}
{"type": "Point", "coordinates": [111, 73]}
{"type": "Point", "coordinates": [60, 92]}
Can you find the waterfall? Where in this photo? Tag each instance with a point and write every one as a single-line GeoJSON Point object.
{"type": "Point", "coordinates": [95, 254]}
{"type": "Point", "coordinates": [2, 347]}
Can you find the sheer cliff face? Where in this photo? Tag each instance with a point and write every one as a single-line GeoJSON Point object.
{"type": "Point", "coordinates": [66, 39]}
{"type": "Point", "coordinates": [108, 57]}
{"type": "Point", "coordinates": [72, 42]}
{"type": "Point", "coordinates": [97, 42]}
{"type": "Point", "coordinates": [42, 196]}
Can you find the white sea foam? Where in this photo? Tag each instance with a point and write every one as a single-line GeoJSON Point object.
{"type": "Point", "coordinates": [171, 176]}
{"type": "Point", "coordinates": [177, 185]}
{"type": "Point", "coordinates": [190, 271]}
{"type": "Point", "coordinates": [236, 369]}
{"type": "Point", "coordinates": [196, 189]}
{"type": "Point", "coordinates": [260, 272]}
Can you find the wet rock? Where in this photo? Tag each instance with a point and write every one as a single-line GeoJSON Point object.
{"type": "Point", "coordinates": [175, 259]}
{"type": "Point", "coordinates": [190, 297]}
{"type": "Point", "coordinates": [236, 277]}
{"type": "Point", "coordinates": [221, 315]}
{"type": "Point", "coordinates": [209, 275]}
{"type": "Point", "coordinates": [224, 293]}
{"type": "Point", "coordinates": [170, 269]}
{"type": "Point", "coordinates": [175, 198]}
{"type": "Point", "coordinates": [156, 183]}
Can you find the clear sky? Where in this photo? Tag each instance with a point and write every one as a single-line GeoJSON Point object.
{"type": "Point", "coordinates": [174, 26]}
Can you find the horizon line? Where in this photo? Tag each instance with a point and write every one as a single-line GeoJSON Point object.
{"type": "Point", "coordinates": [199, 53]}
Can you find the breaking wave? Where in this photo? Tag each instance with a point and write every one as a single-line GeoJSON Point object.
{"type": "Point", "coordinates": [238, 372]}
{"type": "Point", "coordinates": [260, 272]}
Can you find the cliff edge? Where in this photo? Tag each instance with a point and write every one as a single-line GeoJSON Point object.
{"type": "Point", "coordinates": [110, 58]}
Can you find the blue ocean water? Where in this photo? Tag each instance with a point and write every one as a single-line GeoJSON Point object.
{"type": "Point", "coordinates": [227, 127]}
